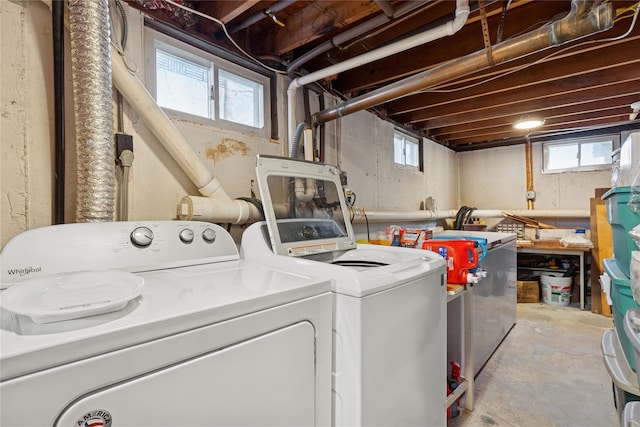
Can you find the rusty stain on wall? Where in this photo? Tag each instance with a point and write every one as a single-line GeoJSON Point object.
{"type": "Point", "coordinates": [227, 148]}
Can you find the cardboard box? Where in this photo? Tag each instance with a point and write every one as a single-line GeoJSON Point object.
{"type": "Point", "coordinates": [528, 291]}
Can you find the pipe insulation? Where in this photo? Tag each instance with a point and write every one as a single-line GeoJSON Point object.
{"type": "Point", "coordinates": [91, 76]}
{"type": "Point", "coordinates": [577, 24]}
{"type": "Point", "coordinates": [446, 29]}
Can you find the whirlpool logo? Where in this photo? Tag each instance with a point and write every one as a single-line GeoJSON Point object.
{"type": "Point", "coordinates": [24, 271]}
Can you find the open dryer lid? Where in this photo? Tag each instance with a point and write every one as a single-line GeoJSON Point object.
{"type": "Point", "coordinates": [304, 207]}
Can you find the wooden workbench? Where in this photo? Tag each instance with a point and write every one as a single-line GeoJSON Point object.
{"type": "Point", "coordinates": [554, 247]}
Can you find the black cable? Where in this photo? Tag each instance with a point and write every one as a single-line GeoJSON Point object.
{"type": "Point", "coordinates": [367, 221]}
{"type": "Point", "coordinates": [125, 25]}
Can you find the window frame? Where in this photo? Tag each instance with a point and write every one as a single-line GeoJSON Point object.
{"type": "Point", "coordinates": [407, 136]}
{"type": "Point", "coordinates": [155, 38]}
{"type": "Point", "coordinates": [613, 138]}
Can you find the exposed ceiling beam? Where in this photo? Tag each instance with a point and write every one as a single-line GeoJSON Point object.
{"type": "Point", "coordinates": [314, 21]}
{"type": "Point", "coordinates": [225, 10]}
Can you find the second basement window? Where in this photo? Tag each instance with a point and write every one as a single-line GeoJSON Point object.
{"type": "Point", "coordinates": [578, 154]}
{"type": "Point", "coordinates": [406, 150]}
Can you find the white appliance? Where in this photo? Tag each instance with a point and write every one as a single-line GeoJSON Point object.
{"type": "Point", "coordinates": [494, 297]}
{"type": "Point", "coordinates": [209, 339]}
{"type": "Point", "coordinates": [389, 362]}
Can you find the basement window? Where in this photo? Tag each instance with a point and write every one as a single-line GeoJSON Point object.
{"type": "Point", "coordinates": [407, 150]}
{"type": "Point", "coordinates": [579, 154]}
{"type": "Point", "coordinates": [195, 85]}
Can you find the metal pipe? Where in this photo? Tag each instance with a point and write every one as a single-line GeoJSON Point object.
{"type": "Point", "coordinates": [253, 19]}
{"type": "Point", "coordinates": [57, 21]}
{"type": "Point", "coordinates": [447, 29]}
{"type": "Point", "coordinates": [571, 27]}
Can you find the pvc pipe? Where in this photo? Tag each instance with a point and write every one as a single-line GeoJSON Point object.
{"type": "Point", "coordinates": [305, 190]}
{"type": "Point", "coordinates": [160, 125]}
{"type": "Point", "coordinates": [215, 210]}
{"type": "Point", "coordinates": [217, 205]}
{"type": "Point", "coordinates": [446, 29]}
{"type": "Point", "coordinates": [391, 216]}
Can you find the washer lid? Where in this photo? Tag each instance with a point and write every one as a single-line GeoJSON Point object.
{"type": "Point", "coordinates": [304, 207]}
{"type": "Point", "coordinates": [67, 296]}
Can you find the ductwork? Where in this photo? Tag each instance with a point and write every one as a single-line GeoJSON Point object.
{"type": "Point", "coordinates": [90, 40]}
{"type": "Point", "coordinates": [447, 29]}
{"type": "Point", "coordinates": [580, 22]}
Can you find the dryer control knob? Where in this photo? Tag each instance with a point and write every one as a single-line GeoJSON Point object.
{"type": "Point", "coordinates": [142, 237]}
{"type": "Point", "coordinates": [186, 235]}
{"type": "Point", "coordinates": [209, 235]}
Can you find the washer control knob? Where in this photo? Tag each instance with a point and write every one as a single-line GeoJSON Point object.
{"type": "Point", "coordinates": [142, 237]}
{"type": "Point", "coordinates": [209, 235]}
{"type": "Point", "coordinates": [186, 235]}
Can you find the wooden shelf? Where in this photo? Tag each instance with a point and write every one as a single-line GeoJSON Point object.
{"type": "Point", "coordinates": [464, 310]}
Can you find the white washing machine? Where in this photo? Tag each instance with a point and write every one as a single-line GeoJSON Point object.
{"type": "Point", "coordinates": [158, 324]}
{"type": "Point", "coordinates": [389, 363]}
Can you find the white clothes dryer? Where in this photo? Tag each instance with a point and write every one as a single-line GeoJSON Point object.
{"type": "Point", "coordinates": [389, 362]}
{"type": "Point", "coordinates": [158, 323]}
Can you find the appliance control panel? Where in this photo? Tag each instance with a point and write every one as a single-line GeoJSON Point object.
{"type": "Point", "coordinates": [125, 245]}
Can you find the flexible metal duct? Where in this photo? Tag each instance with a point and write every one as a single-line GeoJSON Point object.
{"type": "Point", "coordinates": [91, 74]}
{"type": "Point", "coordinates": [580, 22]}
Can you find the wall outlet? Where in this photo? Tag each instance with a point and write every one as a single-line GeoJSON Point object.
{"type": "Point", "coordinates": [531, 195]}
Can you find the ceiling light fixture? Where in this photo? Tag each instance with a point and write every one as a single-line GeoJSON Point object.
{"type": "Point", "coordinates": [528, 122]}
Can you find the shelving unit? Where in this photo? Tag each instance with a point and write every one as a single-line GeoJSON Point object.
{"type": "Point", "coordinates": [459, 303]}
{"type": "Point", "coordinates": [559, 251]}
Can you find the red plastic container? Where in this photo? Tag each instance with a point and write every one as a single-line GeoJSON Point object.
{"type": "Point", "coordinates": [461, 257]}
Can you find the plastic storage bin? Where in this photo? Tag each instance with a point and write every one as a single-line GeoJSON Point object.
{"type": "Point", "coordinates": [622, 299]}
{"type": "Point", "coordinates": [632, 330]}
{"type": "Point", "coordinates": [631, 414]}
{"type": "Point", "coordinates": [622, 220]}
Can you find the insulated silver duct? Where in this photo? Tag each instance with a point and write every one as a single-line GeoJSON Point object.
{"type": "Point", "coordinates": [91, 75]}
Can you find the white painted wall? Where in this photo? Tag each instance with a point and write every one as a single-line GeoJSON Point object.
{"type": "Point", "coordinates": [496, 179]}
{"type": "Point", "coordinates": [384, 185]}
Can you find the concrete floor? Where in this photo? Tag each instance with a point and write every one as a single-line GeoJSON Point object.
{"type": "Point", "coordinates": [547, 372]}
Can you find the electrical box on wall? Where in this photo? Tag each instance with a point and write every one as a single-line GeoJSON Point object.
{"type": "Point", "coordinates": [531, 195]}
